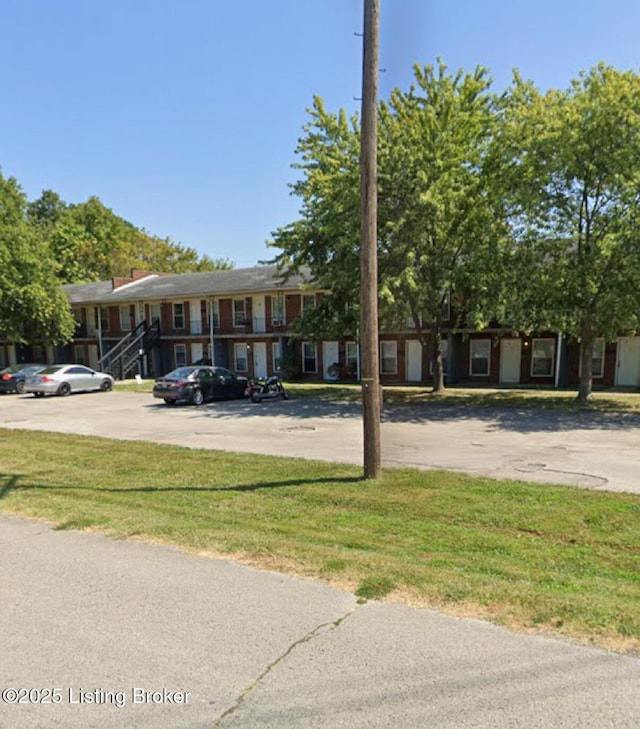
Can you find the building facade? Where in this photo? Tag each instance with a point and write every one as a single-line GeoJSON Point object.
{"type": "Point", "coordinates": [149, 323]}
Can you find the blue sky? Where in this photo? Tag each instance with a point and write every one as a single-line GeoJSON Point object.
{"type": "Point", "coordinates": [183, 117]}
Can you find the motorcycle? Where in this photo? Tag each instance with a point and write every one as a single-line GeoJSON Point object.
{"type": "Point", "coordinates": [269, 389]}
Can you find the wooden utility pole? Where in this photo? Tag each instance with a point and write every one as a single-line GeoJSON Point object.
{"type": "Point", "coordinates": [368, 244]}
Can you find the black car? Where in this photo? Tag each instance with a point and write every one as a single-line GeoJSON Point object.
{"type": "Point", "coordinates": [197, 384]}
{"type": "Point", "coordinates": [12, 377]}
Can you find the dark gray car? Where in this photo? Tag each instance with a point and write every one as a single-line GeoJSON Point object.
{"type": "Point", "coordinates": [198, 384]}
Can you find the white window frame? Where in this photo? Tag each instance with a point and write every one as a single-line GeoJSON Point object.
{"type": "Point", "coordinates": [240, 357]}
{"type": "Point", "coordinates": [154, 312]}
{"type": "Point", "coordinates": [540, 340]}
{"type": "Point", "coordinates": [389, 353]}
{"type": "Point", "coordinates": [175, 317]}
{"type": "Point", "coordinates": [214, 312]}
{"type": "Point", "coordinates": [180, 355]}
{"type": "Point", "coordinates": [124, 312]}
{"type": "Point", "coordinates": [239, 312]}
{"type": "Point", "coordinates": [278, 318]}
{"type": "Point", "coordinates": [305, 346]}
{"type": "Point", "coordinates": [478, 345]}
{"type": "Point", "coordinates": [352, 354]}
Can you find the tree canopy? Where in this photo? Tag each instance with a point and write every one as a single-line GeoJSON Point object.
{"type": "Point", "coordinates": [47, 242]}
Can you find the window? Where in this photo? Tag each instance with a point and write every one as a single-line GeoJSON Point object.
{"type": "Point", "coordinates": [276, 353]}
{"type": "Point", "coordinates": [309, 357]}
{"type": "Point", "coordinates": [277, 310]}
{"type": "Point", "coordinates": [78, 353]}
{"type": "Point", "coordinates": [125, 318]}
{"type": "Point", "coordinates": [180, 354]}
{"type": "Point", "coordinates": [214, 311]}
{"type": "Point", "coordinates": [597, 360]}
{"type": "Point", "coordinates": [388, 358]}
{"type": "Point", "coordinates": [308, 302]}
{"type": "Point", "coordinates": [542, 351]}
{"type": "Point", "coordinates": [479, 356]}
{"type": "Point", "coordinates": [240, 357]}
{"type": "Point", "coordinates": [154, 313]}
{"type": "Point", "coordinates": [239, 314]}
{"type": "Point", "coordinates": [103, 315]}
{"type": "Point", "coordinates": [178, 316]}
{"type": "Point", "coordinates": [351, 359]}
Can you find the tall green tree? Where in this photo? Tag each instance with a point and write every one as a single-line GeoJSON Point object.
{"type": "Point", "coordinates": [441, 229]}
{"type": "Point", "coordinates": [437, 222]}
{"type": "Point", "coordinates": [32, 305]}
{"type": "Point", "coordinates": [571, 166]}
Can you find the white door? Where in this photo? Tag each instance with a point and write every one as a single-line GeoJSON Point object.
{"type": "Point", "coordinates": [259, 314]}
{"type": "Point", "coordinates": [196, 352]}
{"type": "Point", "coordinates": [628, 362]}
{"type": "Point", "coordinates": [330, 356]}
{"type": "Point", "coordinates": [413, 358]}
{"type": "Point", "coordinates": [260, 359]}
{"type": "Point", "coordinates": [510, 353]}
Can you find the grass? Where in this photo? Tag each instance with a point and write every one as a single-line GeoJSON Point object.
{"type": "Point", "coordinates": [527, 556]}
{"type": "Point", "coordinates": [471, 396]}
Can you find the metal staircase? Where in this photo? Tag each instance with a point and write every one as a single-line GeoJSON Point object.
{"type": "Point", "coordinates": [122, 359]}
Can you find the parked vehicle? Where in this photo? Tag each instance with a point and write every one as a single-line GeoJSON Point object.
{"type": "Point", "coordinates": [197, 384]}
{"type": "Point", "coordinates": [272, 387]}
{"type": "Point", "coordinates": [12, 378]}
{"type": "Point", "coordinates": [63, 379]}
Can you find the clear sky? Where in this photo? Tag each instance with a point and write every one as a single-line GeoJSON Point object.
{"type": "Point", "coordinates": [183, 116]}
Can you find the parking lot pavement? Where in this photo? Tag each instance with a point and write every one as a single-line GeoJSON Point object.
{"type": "Point", "coordinates": [101, 633]}
{"type": "Point", "coordinates": [587, 449]}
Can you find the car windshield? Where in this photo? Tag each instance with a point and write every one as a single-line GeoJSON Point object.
{"type": "Point", "coordinates": [181, 373]}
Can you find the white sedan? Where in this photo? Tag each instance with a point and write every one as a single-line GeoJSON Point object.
{"type": "Point", "coordinates": [65, 379]}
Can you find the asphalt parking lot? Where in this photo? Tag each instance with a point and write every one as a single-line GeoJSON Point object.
{"type": "Point", "coordinates": [592, 450]}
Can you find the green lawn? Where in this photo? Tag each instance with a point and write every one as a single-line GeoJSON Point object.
{"type": "Point", "coordinates": [606, 400]}
{"type": "Point", "coordinates": [524, 555]}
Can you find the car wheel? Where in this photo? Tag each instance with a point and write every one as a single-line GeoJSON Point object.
{"type": "Point", "coordinates": [168, 401]}
{"type": "Point", "coordinates": [197, 398]}
{"type": "Point", "coordinates": [20, 388]}
{"type": "Point", "coordinates": [64, 389]}
{"type": "Point", "coordinates": [106, 385]}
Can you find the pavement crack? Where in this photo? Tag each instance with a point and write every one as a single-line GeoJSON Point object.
{"type": "Point", "coordinates": [318, 630]}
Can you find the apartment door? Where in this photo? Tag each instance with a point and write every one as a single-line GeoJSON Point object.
{"type": "Point", "coordinates": [413, 359]}
{"type": "Point", "coordinates": [510, 354]}
{"type": "Point", "coordinates": [260, 359]}
{"type": "Point", "coordinates": [628, 362]}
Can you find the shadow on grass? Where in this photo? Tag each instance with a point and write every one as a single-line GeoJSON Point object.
{"type": "Point", "coordinates": [9, 484]}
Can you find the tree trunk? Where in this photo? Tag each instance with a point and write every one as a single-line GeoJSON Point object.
{"type": "Point", "coordinates": [586, 360]}
{"type": "Point", "coordinates": [436, 358]}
